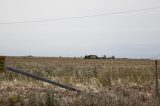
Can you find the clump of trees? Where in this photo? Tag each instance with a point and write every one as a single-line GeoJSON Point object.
{"type": "Point", "coordinates": [112, 57]}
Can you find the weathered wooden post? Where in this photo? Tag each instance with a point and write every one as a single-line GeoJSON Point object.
{"type": "Point", "coordinates": [156, 64]}
{"type": "Point", "coordinates": [2, 64]}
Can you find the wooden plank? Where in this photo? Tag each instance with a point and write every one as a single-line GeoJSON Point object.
{"type": "Point", "coordinates": [44, 79]}
{"type": "Point", "coordinates": [2, 64]}
{"type": "Point", "coordinates": [157, 88]}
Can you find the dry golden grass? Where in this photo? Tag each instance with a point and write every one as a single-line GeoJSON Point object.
{"type": "Point", "coordinates": [115, 82]}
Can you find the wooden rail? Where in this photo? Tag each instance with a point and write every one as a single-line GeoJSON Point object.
{"type": "Point", "coordinates": [44, 79]}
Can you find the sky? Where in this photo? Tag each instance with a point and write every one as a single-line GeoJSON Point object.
{"type": "Point", "coordinates": [130, 35]}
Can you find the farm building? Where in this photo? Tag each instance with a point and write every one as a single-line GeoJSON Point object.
{"type": "Point", "coordinates": [91, 57]}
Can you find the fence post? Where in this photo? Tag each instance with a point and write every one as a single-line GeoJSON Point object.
{"type": "Point", "coordinates": [157, 92]}
{"type": "Point", "coordinates": [2, 64]}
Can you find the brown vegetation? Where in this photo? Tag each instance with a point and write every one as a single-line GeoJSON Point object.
{"type": "Point", "coordinates": [114, 82]}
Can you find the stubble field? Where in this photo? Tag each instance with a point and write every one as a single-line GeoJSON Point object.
{"type": "Point", "coordinates": [118, 82]}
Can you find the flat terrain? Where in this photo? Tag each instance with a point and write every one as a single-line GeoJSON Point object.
{"type": "Point", "coordinates": [118, 82]}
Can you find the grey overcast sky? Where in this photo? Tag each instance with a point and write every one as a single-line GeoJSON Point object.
{"type": "Point", "coordinates": [134, 35]}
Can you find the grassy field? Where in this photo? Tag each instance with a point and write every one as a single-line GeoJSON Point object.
{"type": "Point", "coordinates": [118, 82]}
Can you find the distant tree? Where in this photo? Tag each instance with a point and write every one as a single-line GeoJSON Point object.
{"type": "Point", "coordinates": [86, 57]}
{"type": "Point", "coordinates": [104, 57]}
{"type": "Point", "coordinates": [112, 57]}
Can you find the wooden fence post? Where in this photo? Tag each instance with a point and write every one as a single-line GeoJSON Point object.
{"type": "Point", "coordinates": [2, 64]}
{"type": "Point", "coordinates": [157, 92]}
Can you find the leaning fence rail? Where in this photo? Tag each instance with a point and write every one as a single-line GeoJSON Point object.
{"type": "Point", "coordinates": [44, 79]}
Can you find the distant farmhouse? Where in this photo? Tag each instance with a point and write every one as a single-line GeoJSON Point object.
{"type": "Point", "coordinates": [96, 57]}
{"type": "Point", "coordinates": [91, 57]}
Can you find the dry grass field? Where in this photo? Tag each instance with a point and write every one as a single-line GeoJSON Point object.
{"type": "Point", "coordinates": [118, 82]}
